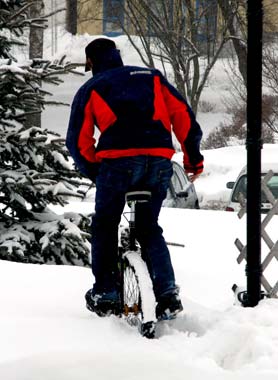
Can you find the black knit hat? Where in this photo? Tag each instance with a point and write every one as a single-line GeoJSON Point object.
{"type": "Point", "coordinates": [97, 48]}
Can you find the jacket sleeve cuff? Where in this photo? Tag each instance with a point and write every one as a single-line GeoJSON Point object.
{"type": "Point", "coordinates": [196, 169]}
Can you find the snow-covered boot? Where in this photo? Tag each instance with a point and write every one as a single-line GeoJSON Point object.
{"type": "Point", "coordinates": [168, 305]}
{"type": "Point", "coordinates": [103, 304]}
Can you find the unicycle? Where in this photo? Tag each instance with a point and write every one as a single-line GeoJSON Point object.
{"type": "Point", "coordinates": [136, 289]}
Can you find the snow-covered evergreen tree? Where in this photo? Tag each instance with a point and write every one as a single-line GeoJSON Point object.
{"type": "Point", "coordinates": [35, 170]}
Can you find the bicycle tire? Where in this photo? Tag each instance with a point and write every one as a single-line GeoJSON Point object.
{"type": "Point", "coordinates": [138, 300]}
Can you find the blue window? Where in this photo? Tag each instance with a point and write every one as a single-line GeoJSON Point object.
{"type": "Point", "coordinates": [113, 17]}
{"type": "Point", "coordinates": [206, 16]}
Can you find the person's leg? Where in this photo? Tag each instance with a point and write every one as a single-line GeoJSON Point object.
{"type": "Point", "coordinates": [111, 186]}
{"type": "Point", "coordinates": [111, 183]}
{"type": "Point", "coordinates": [150, 234]}
{"type": "Point", "coordinates": [154, 247]}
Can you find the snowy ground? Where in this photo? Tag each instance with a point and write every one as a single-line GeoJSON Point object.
{"type": "Point", "coordinates": [47, 333]}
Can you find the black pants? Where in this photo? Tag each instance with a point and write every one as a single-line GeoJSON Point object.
{"type": "Point", "coordinates": [115, 178]}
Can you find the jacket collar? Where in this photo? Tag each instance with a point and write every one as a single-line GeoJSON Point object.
{"type": "Point", "coordinates": [110, 59]}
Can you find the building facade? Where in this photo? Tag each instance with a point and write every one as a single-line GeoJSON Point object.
{"type": "Point", "coordinates": [100, 17]}
{"type": "Point", "coordinates": [107, 17]}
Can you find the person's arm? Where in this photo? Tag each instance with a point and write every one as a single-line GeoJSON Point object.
{"type": "Point", "coordinates": [80, 135]}
{"type": "Point", "coordinates": [186, 129]}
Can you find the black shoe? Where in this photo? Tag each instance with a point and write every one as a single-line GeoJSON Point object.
{"type": "Point", "coordinates": [103, 304]}
{"type": "Point", "coordinates": [168, 306]}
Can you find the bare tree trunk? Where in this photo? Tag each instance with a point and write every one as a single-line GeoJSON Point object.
{"type": "Point", "coordinates": [36, 11]}
{"type": "Point", "coordinates": [229, 10]}
{"type": "Point", "coordinates": [36, 32]}
{"type": "Point", "coordinates": [71, 16]}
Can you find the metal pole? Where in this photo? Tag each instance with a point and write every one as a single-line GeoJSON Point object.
{"type": "Point", "coordinates": [254, 146]}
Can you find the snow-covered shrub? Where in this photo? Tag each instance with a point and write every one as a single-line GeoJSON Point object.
{"type": "Point", "coordinates": [35, 170]}
{"type": "Point", "coordinates": [235, 132]}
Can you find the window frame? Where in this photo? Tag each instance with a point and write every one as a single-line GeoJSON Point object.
{"type": "Point", "coordinates": [110, 20]}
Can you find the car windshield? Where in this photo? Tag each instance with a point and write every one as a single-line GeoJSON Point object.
{"type": "Point", "coordinates": [241, 188]}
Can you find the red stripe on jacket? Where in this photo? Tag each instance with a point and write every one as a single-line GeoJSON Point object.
{"type": "Point", "coordinates": [179, 117]}
{"type": "Point", "coordinates": [86, 141]}
{"type": "Point", "coordinates": [103, 114]}
{"type": "Point", "coordinates": [160, 110]}
{"type": "Point", "coordinates": [117, 153]}
{"type": "Point", "coordinates": [96, 109]}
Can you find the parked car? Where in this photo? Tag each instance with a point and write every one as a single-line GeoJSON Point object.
{"type": "Point", "coordinates": [181, 192]}
{"type": "Point", "coordinates": [239, 188]}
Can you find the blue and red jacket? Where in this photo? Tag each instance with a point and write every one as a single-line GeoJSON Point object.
{"type": "Point", "coordinates": [135, 110]}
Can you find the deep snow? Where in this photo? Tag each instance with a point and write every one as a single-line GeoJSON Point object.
{"type": "Point", "coordinates": [47, 333]}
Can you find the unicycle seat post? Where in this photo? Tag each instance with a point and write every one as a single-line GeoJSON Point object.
{"type": "Point", "coordinates": [132, 198]}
